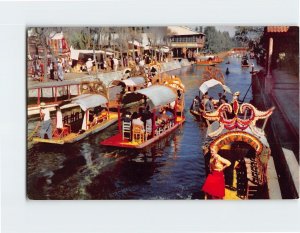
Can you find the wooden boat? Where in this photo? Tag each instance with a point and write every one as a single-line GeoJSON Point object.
{"type": "Point", "coordinates": [239, 140]}
{"type": "Point", "coordinates": [244, 62]}
{"type": "Point", "coordinates": [156, 96]}
{"type": "Point", "coordinates": [211, 77]}
{"type": "Point", "coordinates": [118, 88]}
{"type": "Point", "coordinates": [79, 124]}
{"type": "Point", "coordinates": [216, 59]}
{"type": "Point", "coordinates": [205, 63]}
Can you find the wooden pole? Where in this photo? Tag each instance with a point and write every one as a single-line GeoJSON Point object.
{"type": "Point", "coordinates": [69, 91]}
{"type": "Point", "coordinates": [270, 56]}
{"type": "Point", "coordinates": [55, 95]}
{"type": "Point", "coordinates": [119, 120]}
{"type": "Point", "coordinates": [153, 122]}
{"type": "Point", "coordinates": [39, 96]}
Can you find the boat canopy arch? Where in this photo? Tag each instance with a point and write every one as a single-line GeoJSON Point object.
{"type": "Point", "coordinates": [158, 95]}
{"type": "Point", "coordinates": [87, 101]}
{"type": "Point", "coordinates": [262, 152]}
{"type": "Point", "coordinates": [236, 136]}
{"type": "Point", "coordinates": [211, 83]}
{"type": "Point", "coordinates": [130, 82]}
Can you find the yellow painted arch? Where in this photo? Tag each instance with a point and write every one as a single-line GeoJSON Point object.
{"type": "Point", "coordinates": [236, 136]}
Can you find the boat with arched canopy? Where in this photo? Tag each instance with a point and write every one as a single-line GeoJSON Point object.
{"type": "Point", "coordinates": [211, 77]}
{"type": "Point", "coordinates": [89, 114]}
{"type": "Point", "coordinates": [236, 133]}
{"type": "Point", "coordinates": [156, 97]}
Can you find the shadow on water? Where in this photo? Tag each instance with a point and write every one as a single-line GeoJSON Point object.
{"type": "Point", "coordinates": [172, 168]}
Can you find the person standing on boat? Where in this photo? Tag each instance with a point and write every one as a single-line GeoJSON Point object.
{"type": "Point", "coordinates": [46, 127]}
{"type": "Point", "coordinates": [196, 104]}
{"type": "Point", "coordinates": [214, 184]}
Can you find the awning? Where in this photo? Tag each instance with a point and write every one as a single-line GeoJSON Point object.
{"type": "Point", "coordinates": [159, 95]}
{"type": "Point", "coordinates": [75, 52]}
{"type": "Point", "coordinates": [87, 101]}
{"type": "Point", "coordinates": [210, 83]}
{"type": "Point", "coordinates": [133, 82]}
{"type": "Point", "coordinates": [130, 82]}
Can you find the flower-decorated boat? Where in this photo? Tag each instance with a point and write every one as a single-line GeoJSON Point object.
{"type": "Point", "coordinates": [234, 134]}
{"type": "Point", "coordinates": [211, 77]}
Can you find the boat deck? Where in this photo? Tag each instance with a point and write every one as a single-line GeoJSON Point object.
{"type": "Point", "coordinates": [74, 137]}
{"type": "Point", "coordinates": [117, 141]}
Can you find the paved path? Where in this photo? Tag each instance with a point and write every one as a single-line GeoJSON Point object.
{"type": "Point", "coordinates": [286, 96]}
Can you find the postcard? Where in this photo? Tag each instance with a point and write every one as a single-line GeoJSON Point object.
{"type": "Point", "coordinates": [162, 113]}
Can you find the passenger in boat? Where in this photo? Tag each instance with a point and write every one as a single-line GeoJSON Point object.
{"type": "Point", "coordinates": [137, 121]}
{"type": "Point", "coordinates": [147, 119]}
{"type": "Point", "coordinates": [214, 184]}
{"type": "Point", "coordinates": [227, 71]}
{"type": "Point", "coordinates": [222, 99]}
{"type": "Point", "coordinates": [178, 95]}
{"type": "Point", "coordinates": [46, 127]}
{"type": "Point", "coordinates": [208, 104]}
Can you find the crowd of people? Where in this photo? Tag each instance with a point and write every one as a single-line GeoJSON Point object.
{"type": "Point", "coordinates": [147, 122]}
{"type": "Point", "coordinates": [55, 68]}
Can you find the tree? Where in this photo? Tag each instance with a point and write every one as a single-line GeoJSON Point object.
{"type": "Point", "coordinates": [216, 41]}
{"type": "Point", "coordinates": [247, 36]}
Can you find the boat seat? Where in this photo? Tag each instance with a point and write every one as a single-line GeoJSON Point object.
{"type": "Point", "coordinates": [66, 119]}
{"type": "Point", "coordinates": [138, 134]}
{"type": "Point", "coordinates": [126, 130]}
{"type": "Point", "coordinates": [60, 133]}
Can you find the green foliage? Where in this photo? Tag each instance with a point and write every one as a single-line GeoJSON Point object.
{"type": "Point", "coordinates": [247, 36]}
{"type": "Point", "coordinates": [216, 41]}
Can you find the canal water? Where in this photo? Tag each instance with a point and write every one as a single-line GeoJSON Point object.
{"type": "Point", "coordinates": [172, 168]}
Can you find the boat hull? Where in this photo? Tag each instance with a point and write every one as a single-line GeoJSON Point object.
{"type": "Point", "coordinates": [75, 137]}
{"type": "Point", "coordinates": [116, 141]}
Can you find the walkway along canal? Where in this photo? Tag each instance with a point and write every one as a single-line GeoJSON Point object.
{"type": "Point", "coordinates": [172, 168]}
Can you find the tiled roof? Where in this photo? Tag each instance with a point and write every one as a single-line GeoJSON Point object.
{"type": "Point", "coordinates": [277, 29]}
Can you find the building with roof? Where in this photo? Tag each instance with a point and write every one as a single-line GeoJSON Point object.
{"type": "Point", "coordinates": [282, 46]}
{"type": "Point", "coordinates": [184, 41]}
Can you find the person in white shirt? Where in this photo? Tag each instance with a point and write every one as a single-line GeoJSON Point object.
{"type": "Point", "coordinates": [137, 121]}
{"type": "Point", "coordinates": [89, 65]}
{"type": "Point", "coordinates": [46, 127]}
{"type": "Point", "coordinates": [116, 63]}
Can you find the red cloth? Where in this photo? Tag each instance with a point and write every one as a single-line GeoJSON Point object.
{"type": "Point", "coordinates": [215, 184]}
